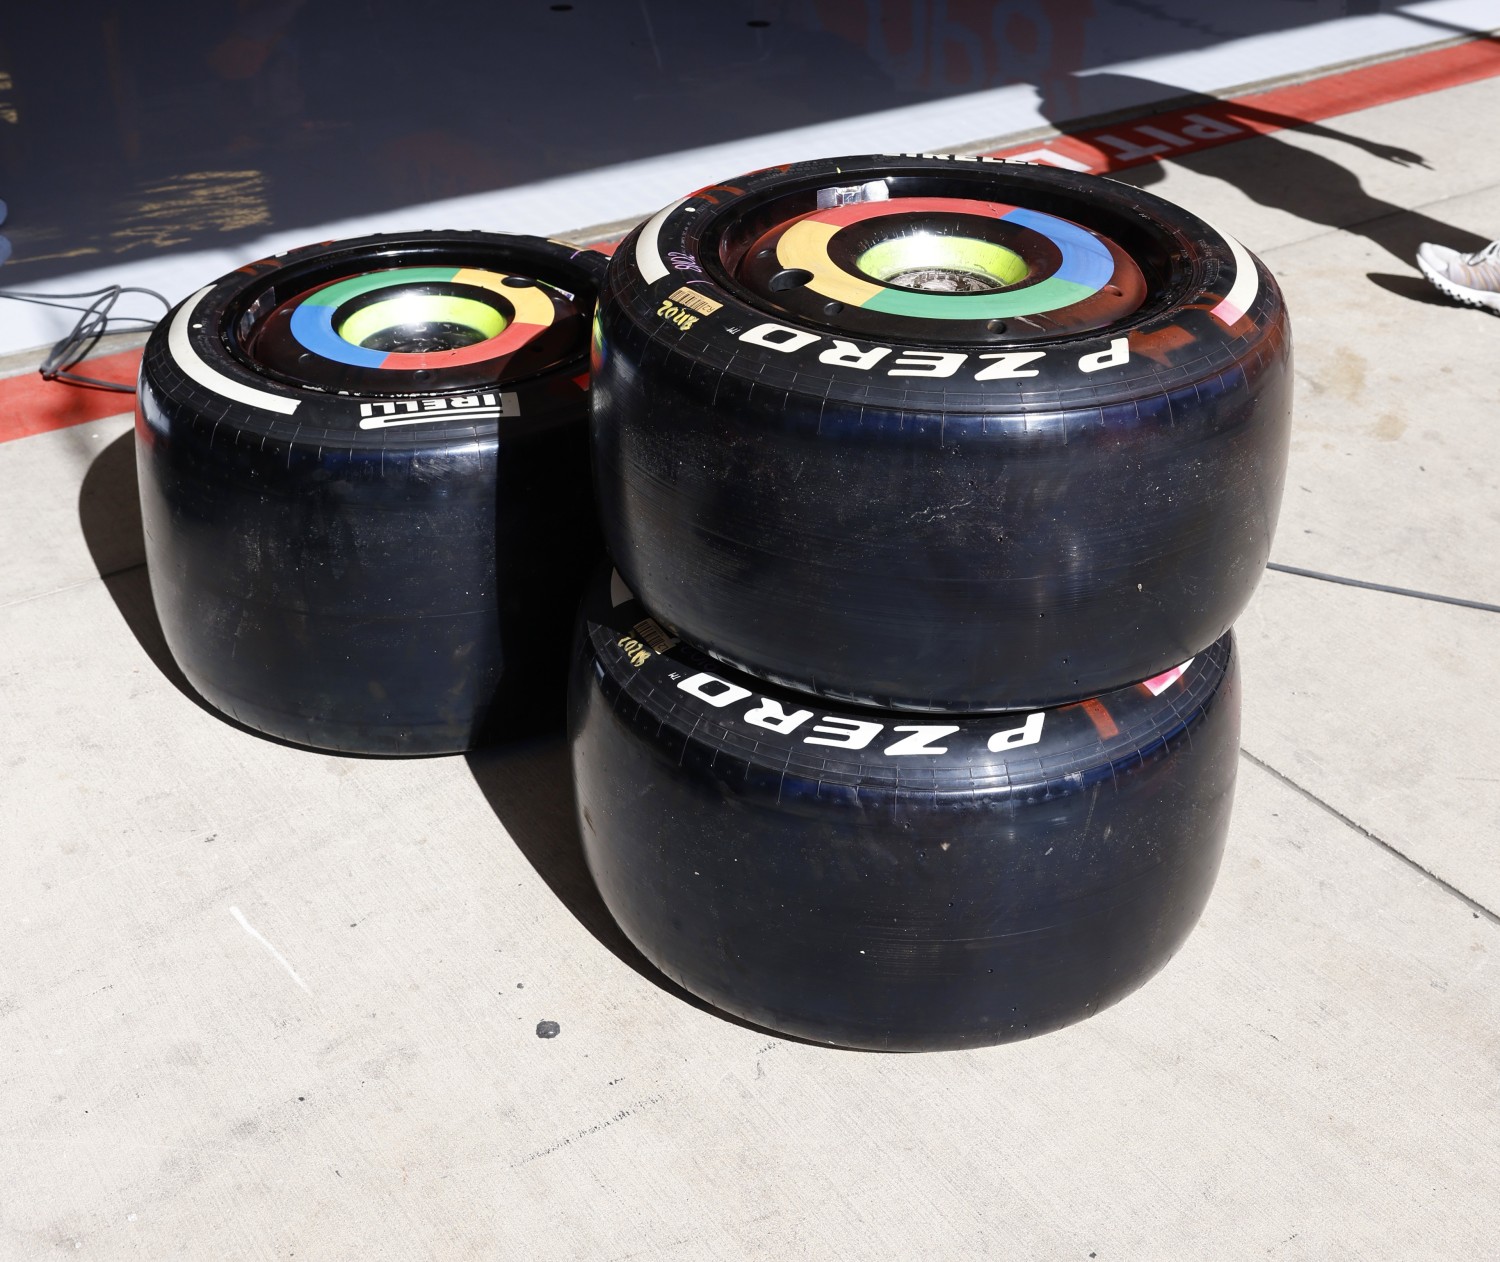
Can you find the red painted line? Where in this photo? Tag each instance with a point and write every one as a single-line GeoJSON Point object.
{"type": "Point", "coordinates": [30, 405]}
{"type": "Point", "coordinates": [1176, 133]}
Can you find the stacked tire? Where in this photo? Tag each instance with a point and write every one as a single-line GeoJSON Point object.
{"type": "Point", "coordinates": [909, 715]}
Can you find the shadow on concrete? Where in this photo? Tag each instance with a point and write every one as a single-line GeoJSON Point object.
{"type": "Point", "coordinates": [529, 786]}
{"type": "Point", "coordinates": [109, 510]}
{"type": "Point", "coordinates": [1280, 175]}
{"type": "Point", "coordinates": [528, 783]}
{"type": "Point", "coordinates": [1414, 288]}
{"type": "Point", "coordinates": [109, 515]}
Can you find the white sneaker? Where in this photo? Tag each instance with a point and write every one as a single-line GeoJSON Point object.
{"type": "Point", "coordinates": [1470, 278]}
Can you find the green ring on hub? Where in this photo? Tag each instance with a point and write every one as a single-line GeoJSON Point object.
{"type": "Point", "coordinates": [485, 321]}
{"type": "Point", "coordinates": [958, 254]}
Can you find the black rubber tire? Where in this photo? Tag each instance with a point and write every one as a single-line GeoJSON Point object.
{"type": "Point", "coordinates": [374, 559]}
{"type": "Point", "coordinates": [884, 898]}
{"type": "Point", "coordinates": [950, 542]}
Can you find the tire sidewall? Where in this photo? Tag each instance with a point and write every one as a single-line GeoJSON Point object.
{"type": "Point", "coordinates": [879, 899]}
{"type": "Point", "coordinates": [386, 590]}
{"type": "Point", "coordinates": [1173, 339]}
{"type": "Point", "coordinates": [196, 329]}
{"type": "Point", "coordinates": [943, 543]}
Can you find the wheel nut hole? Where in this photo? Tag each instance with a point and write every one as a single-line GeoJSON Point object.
{"type": "Point", "coordinates": [790, 278]}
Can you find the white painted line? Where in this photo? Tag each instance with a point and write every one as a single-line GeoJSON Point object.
{"type": "Point", "coordinates": [275, 954]}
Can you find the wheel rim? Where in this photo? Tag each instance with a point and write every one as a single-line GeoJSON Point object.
{"type": "Point", "coordinates": [405, 329]}
{"type": "Point", "coordinates": [904, 261]}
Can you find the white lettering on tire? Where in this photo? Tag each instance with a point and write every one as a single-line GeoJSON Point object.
{"type": "Point", "coordinates": [1029, 733]}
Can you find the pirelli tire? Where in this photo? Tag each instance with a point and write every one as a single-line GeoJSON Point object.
{"type": "Point", "coordinates": [891, 881]}
{"type": "Point", "coordinates": [365, 487]}
{"type": "Point", "coordinates": [1062, 479]}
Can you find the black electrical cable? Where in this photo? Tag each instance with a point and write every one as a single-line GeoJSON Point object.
{"type": "Point", "coordinates": [1383, 587]}
{"type": "Point", "coordinates": [93, 323]}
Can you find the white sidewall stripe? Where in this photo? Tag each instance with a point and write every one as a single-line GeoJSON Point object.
{"type": "Point", "coordinates": [1246, 285]}
{"type": "Point", "coordinates": [189, 361]}
{"type": "Point", "coordinates": [648, 259]}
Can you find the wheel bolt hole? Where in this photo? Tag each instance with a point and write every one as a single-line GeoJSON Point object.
{"type": "Point", "coordinates": [421, 374]}
{"type": "Point", "coordinates": [790, 278]}
{"type": "Point", "coordinates": [996, 326]}
{"type": "Point", "coordinates": [832, 308]}
{"type": "Point", "coordinates": [1114, 291]}
{"type": "Point", "coordinates": [519, 282]}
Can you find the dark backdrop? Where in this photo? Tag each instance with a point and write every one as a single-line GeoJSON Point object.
{"type": "Point", "coordinates": [127, 131]}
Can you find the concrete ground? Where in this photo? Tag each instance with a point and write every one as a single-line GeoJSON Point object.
{"type": "Point", "coordinates": [258, 1002]}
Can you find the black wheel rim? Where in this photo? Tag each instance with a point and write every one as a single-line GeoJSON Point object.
{"type": "Point", "coordinates": [407, 322]}
{"type": "Point", "coordinates": [935, 257]}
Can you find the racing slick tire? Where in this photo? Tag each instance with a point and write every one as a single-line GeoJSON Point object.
{"type": "Point", "coordinates": [365, 487]}
{"type": "Point", "coordinates": [855, 877]}
{"type": "Point", "coordinates": [939, 434]}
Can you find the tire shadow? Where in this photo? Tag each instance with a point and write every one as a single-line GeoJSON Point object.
{"type": "Point", "coordinates": [109, 515]}
{"type": "Point", "coordinates": [529, 786]}
{"type": "Point", "coordinates": [528, 782]}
